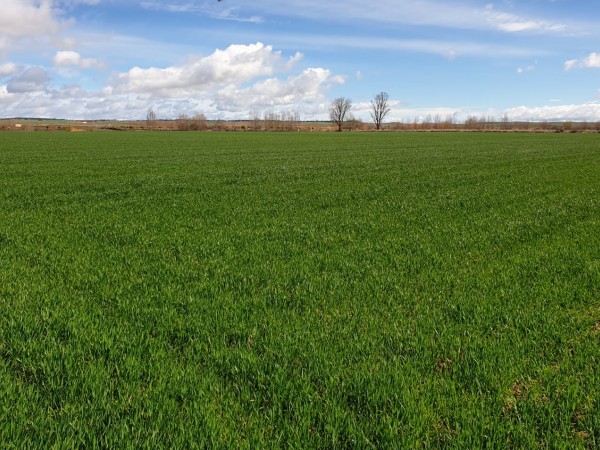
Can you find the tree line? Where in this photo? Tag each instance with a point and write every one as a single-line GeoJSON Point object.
{"type": "Point", "coordinates": [341, 117]}
{"type": "Point", "coordinates": [339, 113]}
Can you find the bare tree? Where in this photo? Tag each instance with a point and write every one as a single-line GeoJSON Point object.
{"type": "Point", "coordinates": [354, 123]}
{"type": "Point", "coordinates": [199, 122]}
{"type": "Point", "coordinates": [380, 108]}
{"type": "Point", "coordinates": [256, 120]}
{"type": "Point", "coordinates": [338, 109]}
{"type": "Point", "coordinates": [270, 120]}
{"type": "Point", "coordinates": [427, 121]}
{"type": "Point", "coordinates": [183, 122]}
{"type": "Point", "coordinates": [150, 118]}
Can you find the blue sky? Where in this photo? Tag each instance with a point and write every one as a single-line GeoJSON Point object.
{"type": "Point", "coordinates": [114, 59]}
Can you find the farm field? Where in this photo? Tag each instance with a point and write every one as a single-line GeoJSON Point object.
{"type": "Point", "coordinates": [305, 290]}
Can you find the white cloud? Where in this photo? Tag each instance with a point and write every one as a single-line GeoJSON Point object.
{"type": "Point", "coordinates": [79, 2]}
{"type": "Point", "coordinates": [512, 23]}
{"type": "Point", "coordinates": [35, 99]}
{"type": "Point", "coordinates": [450, 55]}
{"type": "Point", "coordinates": [23, 22]}
{"type": "Point", "coordinates": [8, 69]}
{"type": "Point", "coordinates": [28, 18]}
{"type": "Point", "coordinates": [29, 25]}
{"type": "Point", "coordinates": [402, 113]}
{"type": "Point", "coordinates": [226, 84]}
{"type": "Point", "coordinates": [235, 65]}
{"type": "Point", "coordinates": [441, 13]}
{"type": "Point", "coordinates": [446, 48]}
{"type": "Point", "coordinates": [584, 112]}
{"type": "Point", "coordinates": [71, 58]}
{"type": "Point", "coordinates": [591, 61]}
{"type": "Point", "coordinates": [209, 9]}
{"type": "Point", "coordinates": [71, 102]}
{"type": "Point", "coordinates": [570, 64]}
{"type": "Point", "coordinates": [408, 115]}
{"type": "Point", "coordinates": [32, 79]}
{"type": "Point", "coordinates": [529, 68]}
{"type": "Point", "coordinates": [294, 92]}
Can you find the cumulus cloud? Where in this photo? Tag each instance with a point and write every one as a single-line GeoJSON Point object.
{"type": "Point", "coordinates": [34, 25]}
{"type": "Point", "coordinates": [295, 91]}
{"type": "Point", "coordinates": [70, 102]}
{"type": "Point", "coordinates": [583, 112]}
{"type": "Point", "coordinates": [28, 18]}
{"type": "Point", "coordinates": [400, 112]}
{"type": "Point", "coordinates": [32, 79]}
{"type": "Point", "coordinates": [591, 61]}
{"type": "Point", "coordinates": [71, 58]}
{"type": "Point", "coordinates": [232, 66]}
{"type": "Point", "coordinates": [8, 69]}
{"type": "Point", "coordinates": [226, 84]}
{"type": "Point", "coordinates": [25, 21]}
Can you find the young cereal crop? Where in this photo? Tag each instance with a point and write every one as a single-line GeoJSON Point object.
{"type": "Point", "coordinates": [354, 290]}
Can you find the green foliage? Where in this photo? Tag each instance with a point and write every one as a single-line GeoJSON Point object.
{"type": "Point", "coordinates": [218, 290]}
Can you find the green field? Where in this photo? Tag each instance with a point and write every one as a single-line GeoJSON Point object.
{"type": "Point", "coordinates": [353, 290]}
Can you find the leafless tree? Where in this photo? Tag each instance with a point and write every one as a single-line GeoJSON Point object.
{"type": "Point", "coordinates": [380, 108]}
{"type": "Point", "coordinates": [199, 122]}
{"type": "Point", "coordinates": [196, 123]}
{"type": "Point", "coordinates": [354, 123]}
{"type": "Point", "coordinates": [427, 121]}
{"type": "Point", "coordinates": [471, 123]}
{"type": "Point", "coordinates": [150, 118]}
{"type": "Point", "coordinates": [270, 120]}
{"type": "Point", "coordinates": [256, 120]}
{"type": "Point", "coordinates": [338, 109]}
{"type": "Point", "coordinates": [183, 122]}
{"type": "Point", "coordinates": [291, 120]}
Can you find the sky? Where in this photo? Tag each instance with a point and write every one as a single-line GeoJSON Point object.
{"type": "Point", "coordinates": [234, 59]}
